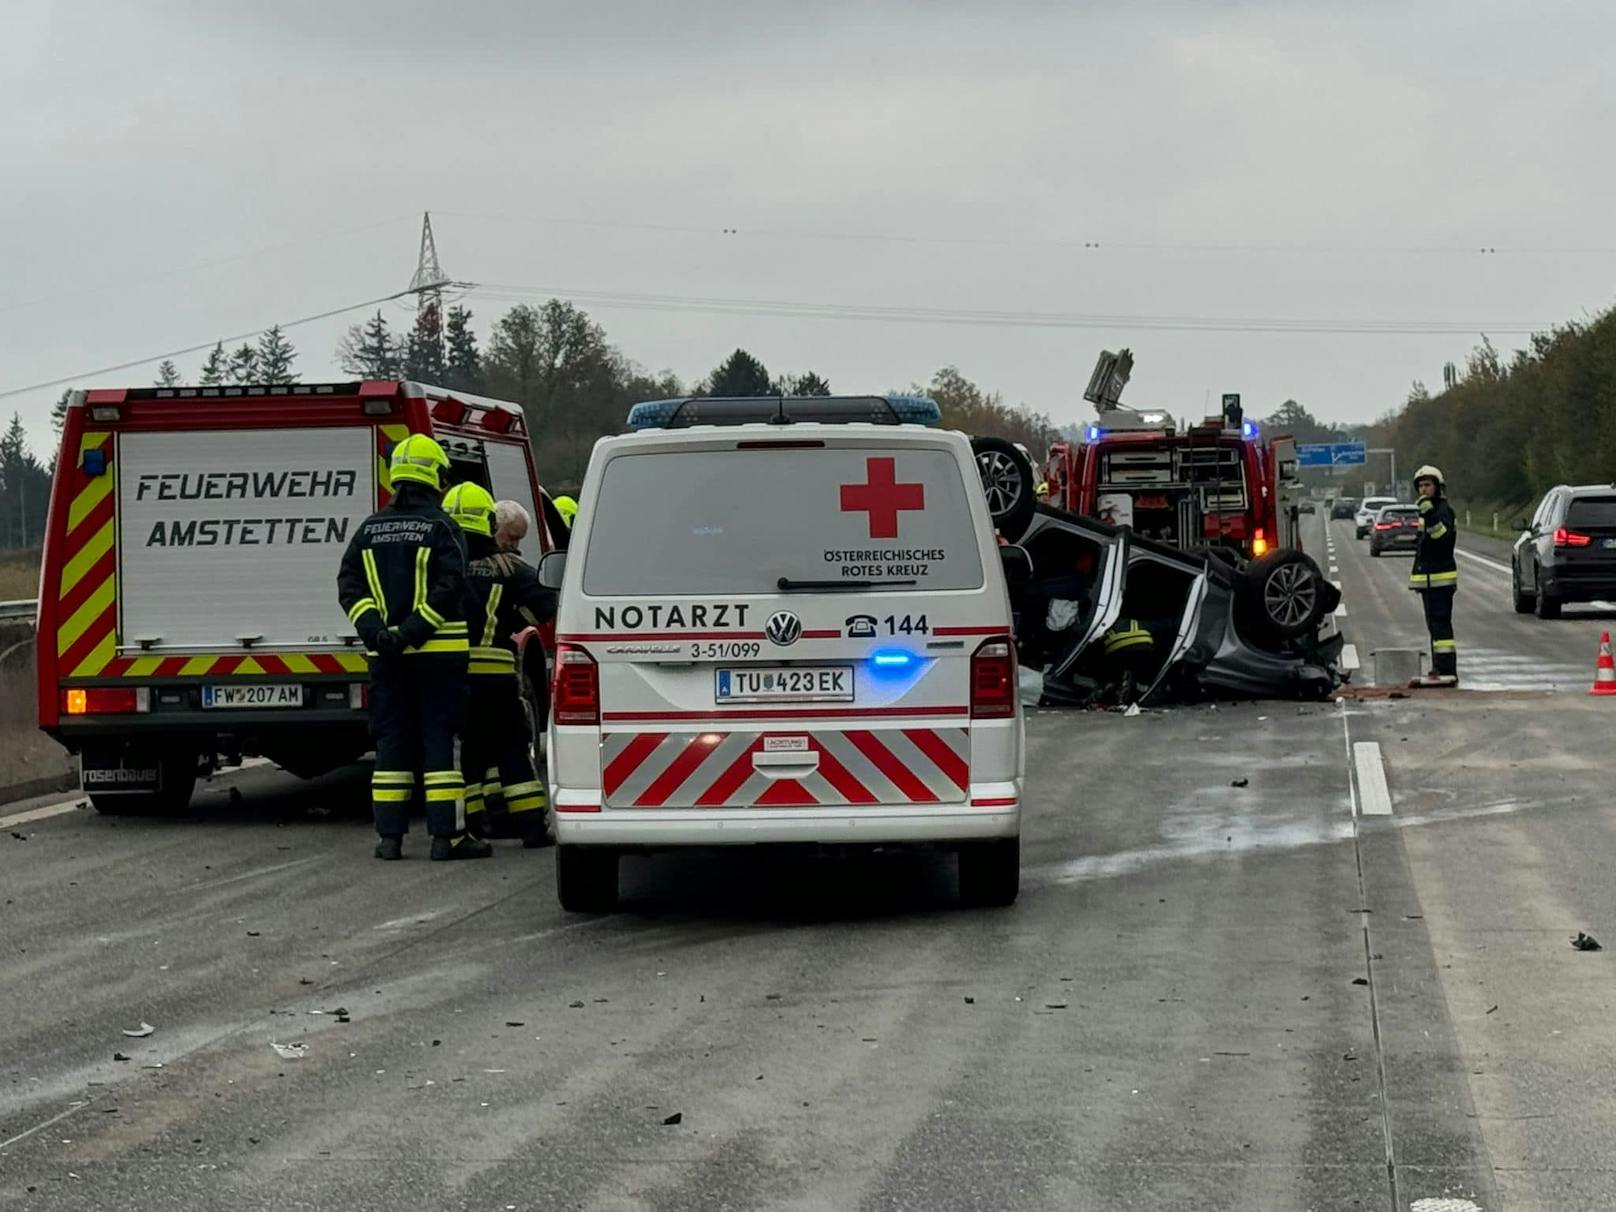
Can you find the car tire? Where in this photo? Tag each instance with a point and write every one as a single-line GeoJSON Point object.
{"type": "Point", "coordinates": [1374, 551]}
{"type": "Point", "coordinates": [586, 878]}
{"type": "Point", "coordinates": [990, 873]}
{"type": "Point", "coordinates": [1525, 603]}
{"type": "Point", "coordinates": [1547, 606]}
{"type": "Point", "coordinates": [1282, 595]}
{"type": "Point", "coordinates": [1358, 532]}
{"type": "Point", "coordinates": [179, 782]}
{"type": "Point", "coordinates": [1008, 482]}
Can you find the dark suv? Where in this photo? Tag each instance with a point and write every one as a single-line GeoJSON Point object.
{"type": "Point", "coordinates": [1567, 552]}
{"type": "Point", "coordinates": [1343, 507]}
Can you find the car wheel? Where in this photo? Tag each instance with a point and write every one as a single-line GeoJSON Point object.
{"type": "Point", "coordinates": [586, 878]}
{"type": "Point", "coordinates": [1525, 603]}
{"type": "Point", "coordinates": [1547, 606]}
{"type": "Point", "coordinates": [1282, 594]}
{"type": "Point", "coordinates": [179, 782]}
{"type": "Point", "coordinates": [1008, 482]}
{"type": "Point", "coordinates": [990, 873]}
{"type": "Point", "coordinates": [1374, 551]}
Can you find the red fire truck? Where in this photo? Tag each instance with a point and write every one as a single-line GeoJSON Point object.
{"type": "Point", "coordinates": [1217, 484]}
{"type": "Point", "coordinates": [188, 612]}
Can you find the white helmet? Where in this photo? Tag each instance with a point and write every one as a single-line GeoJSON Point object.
{"type": "Point", "coordinates": [1429, 472]}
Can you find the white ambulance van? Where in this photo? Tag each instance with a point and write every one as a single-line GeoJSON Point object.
{"type": "Point", "coordinates": [784, 620]}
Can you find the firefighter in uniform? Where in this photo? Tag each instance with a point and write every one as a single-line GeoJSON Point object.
{"type": "Point", "coordinates": [403, 584]}
{"type": "Point", "coordinates": [1130, 650]}
{"type": "Point", "coordinates": [1436, 575]}
{"type": "Point", "coordinates": [567, 508]}
{"type": "Point", "coordinates": [505, 596]}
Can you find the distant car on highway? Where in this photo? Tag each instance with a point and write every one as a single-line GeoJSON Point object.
{"type": "Point", "coordinates": [1395, 528]}
{"type": "Point", "coordinates": [1365, 517]}
{"type": "Point", "coordinates": [1343, 507]}
{"type": "Point", "coordinates": [1567, 550]}
{"type": "Point", "coordinates": [1307, 506]}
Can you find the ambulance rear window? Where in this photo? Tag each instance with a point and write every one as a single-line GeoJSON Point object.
{"type": "Point", "coordinates": [738, 521]}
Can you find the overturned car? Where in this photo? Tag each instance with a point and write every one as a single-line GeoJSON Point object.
{"type": "Point", "coordinates": [1109, 617]}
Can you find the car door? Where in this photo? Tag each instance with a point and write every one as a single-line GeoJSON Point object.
{"type": "Point", "coordinates": [1188, 625]}
{"type": "Point", "coordinates": [1107, 601]}
{"type": "Point", "coordinates": [1541, 537]}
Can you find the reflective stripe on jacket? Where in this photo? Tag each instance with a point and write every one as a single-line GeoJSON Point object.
{"type": "Point", "coordinates": [503, 596]}
{"type": "Point", "coordinates": [1435, 566]}
{"type": "Point", "coordinates": [405, 569]}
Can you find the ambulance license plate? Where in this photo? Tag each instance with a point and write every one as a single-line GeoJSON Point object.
{"type": "Point", "coordinates": [278, 694]}
{"type": "Point", "coordinates": [786, 684]}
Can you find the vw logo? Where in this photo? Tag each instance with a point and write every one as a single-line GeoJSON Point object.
{"type": "Point", "coordinates": [783, 628]}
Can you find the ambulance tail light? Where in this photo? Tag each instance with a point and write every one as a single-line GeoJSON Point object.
{"type": "Point", "coordinates": [1570, 538]}
{"type": "Point", "coordinates": [993, 681]}
{"type": "Point", "coordinates": [575, 694]}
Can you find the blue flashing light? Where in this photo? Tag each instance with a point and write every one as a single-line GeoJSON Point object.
{"type": "Point", "coordinates": [916, 410]}
{"type": "Point", "coordinates": [1248, 430]}
{"type": "Point", "coordinates": [892, 658]}
{"type": "Point", "coordinates": [652, 414]}
{"type": "Point", "coordinates": [1092, 433]}
{"type": "Point", "coordinates": [95, 462]}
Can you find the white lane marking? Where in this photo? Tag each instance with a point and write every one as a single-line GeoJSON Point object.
{"type": "Point", "coordinates": [1374, 796]}
{"type": "Point", "coordinates": [1484, 561]}
{"type": "Point", "coordinates": [1334, 582]}
{"type": "Point", "coordinates": [1346, 738]}
{"type": "Point", "coordinates": [1341, 611]}
{"type": "Point", "coordinates": [1444, 1205]}
{"type": "Point", "coordinates": [1349, 657]}
{"type": "Point", "coordinates": [40, 814]}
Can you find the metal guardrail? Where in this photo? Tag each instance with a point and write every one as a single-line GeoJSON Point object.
{"type": "Point", "coordinates": [22, 610]}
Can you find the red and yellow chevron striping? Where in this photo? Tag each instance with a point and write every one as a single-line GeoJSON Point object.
{"type": "Point", "coordinates": [87, 598]}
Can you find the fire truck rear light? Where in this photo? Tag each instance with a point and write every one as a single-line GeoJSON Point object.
{"type": "Point", "coordinates": [1259, 543]}
{"type": "Point", "coordinates": [106, 700]}
{"type": "Point", "coordinates": [358, 695]}
{"type": "Point", "coordinates": [105, 412]}
{"type": "Point", "coordinates": [377, 408]}
{"type": "Point", "coordinates": [497, 420]}
{"type": "Point", "coordinates": [993, 681]}
{"type": "Point", "coordinates": [575, 695]}
{"type": "Point", "coordinates": [450, 412]}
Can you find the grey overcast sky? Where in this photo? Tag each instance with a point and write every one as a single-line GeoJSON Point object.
{"type": "Point", "coordinates": [1339, 163]}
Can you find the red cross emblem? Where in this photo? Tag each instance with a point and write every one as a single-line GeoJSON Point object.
{"type": "Point", "coordinates": [882, 497]}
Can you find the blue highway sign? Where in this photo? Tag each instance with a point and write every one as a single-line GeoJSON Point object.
{"type": "Point", "coordinates": [1329, 454]}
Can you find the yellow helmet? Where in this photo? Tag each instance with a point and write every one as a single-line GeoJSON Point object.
{"type": "Point", "coordinates": [418, 458]}
{"type": "Point", "coordinates": [472, 507]}
{"type": "Point", "coordinates": [567, 508]}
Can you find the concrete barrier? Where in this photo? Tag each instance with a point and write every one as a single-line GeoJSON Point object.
{"type": "Point", "coordinates": [30, 762]}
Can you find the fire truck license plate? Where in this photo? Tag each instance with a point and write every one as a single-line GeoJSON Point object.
{"type": "Point", "coordinates": [794, 684]}
{"type": "Point", "coordinates": [280, 695]}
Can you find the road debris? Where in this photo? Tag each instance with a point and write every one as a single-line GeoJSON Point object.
{"type": "Point", "coordinates": [1359, 980]}
{"type": "Point", "coordinates": [1241, 783]}
{"type": "Point", "coordinates": [1491, 1008]}
{"type": "Point", "coordinates": [140, 1032]}
{"type": "Point", "coordinates": [21, 837]}
{"type": "Point", "coordinates": [289, 1051]}
{"type": "Point", "coordinates": [1586, 942]}
{"type": "Point", "coordinates": [119, 1056]}
{"type": "Point", "coordinates": [676, 1118]}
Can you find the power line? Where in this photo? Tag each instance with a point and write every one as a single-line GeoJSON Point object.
{"type": "Point", "coordinates": [1097, 243]}
{"type": "Point", "coordinates": [199, 266]}
{"type": "Point", "coordinates": [875, 313]}
{"type": "Point", "coordinates": [191, 349]}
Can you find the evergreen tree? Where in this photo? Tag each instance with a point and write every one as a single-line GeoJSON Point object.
{"type": "Point", "coordinates": [423, 354]}
{"type": "Point", "coordinates": [740, 374]}
{"type": "Point", "coordinates": [808, 384]}
{"type": "Point", "coordinates": [464, 366]}
{"type": "Point", "coordinates": [244, 365]}
{"type": "Point", "coordinates": [168, 375]}
{"type": "Point", "coordinates": [216, 370]}
{"type": "Point", "coordinates": [59, 410]}
{"type": "Point", "coordinates": [275, 357]}
{"type": "Point", "coordinates": [24, 490]}
{"type": "Point", "coordinates": [371, 352]}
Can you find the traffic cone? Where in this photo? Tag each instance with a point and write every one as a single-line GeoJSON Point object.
{"type": "Point", "coordinates": [1604, 668]}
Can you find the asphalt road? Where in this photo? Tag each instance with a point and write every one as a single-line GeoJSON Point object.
{"type": "Point", "coordinates": [1238, 977]}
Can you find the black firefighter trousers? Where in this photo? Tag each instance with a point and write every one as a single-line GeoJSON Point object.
{"type": "Point", "coordinates": [415, 708]}
{"type": "Point", "coordinates": [1439, 622]}
{"type": "Point", "coordinates": [495, 758]}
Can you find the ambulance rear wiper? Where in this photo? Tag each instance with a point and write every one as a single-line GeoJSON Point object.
{"type": "Point", "coordinates": [787, 585]}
